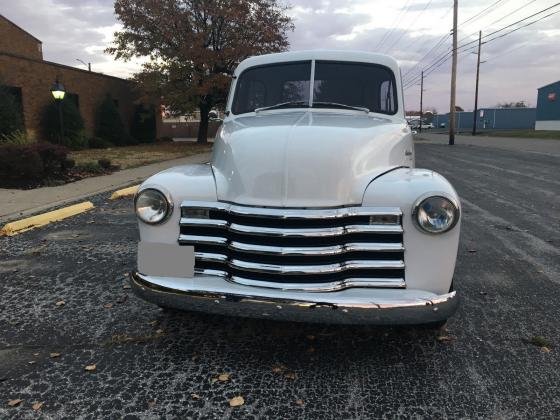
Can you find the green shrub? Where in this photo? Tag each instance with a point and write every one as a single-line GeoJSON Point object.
{"type": "Point", "coordinates": [15, 137]}
{"type": "Point", "coordinates": [108, 124]}
{"type": "Point", "coordinates": [89, 167]}
{"type": "Point", "coordinates": [104, 163]}
{"type": "Point", "coordinates": [99, 143]}
{"type": "Point", "coordinates": [144, 124]}
{"type": "Point", "coordinates": [54, 158]}
{"type": "Point", "coordinates": [20, 166]}
{"type": "Point", "coordinates": [74, 133]}
{"type": "Point", "coordinates": [11, 119]}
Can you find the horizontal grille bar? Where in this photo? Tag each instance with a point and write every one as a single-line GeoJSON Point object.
{"type": "Point", "coordinates": [337, 213]}
{"type": "Point", "coordinates": [314, 269]}
{"type": "Point", "coordinates": [316, 251]}
{"type": "Point", "coordinates": [323, 287]}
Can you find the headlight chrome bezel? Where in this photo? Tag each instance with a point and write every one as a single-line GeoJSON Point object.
{"type": "Point", "coordinates": [452, 200]}
{"type": "Point", "coordinates": [167, 199]}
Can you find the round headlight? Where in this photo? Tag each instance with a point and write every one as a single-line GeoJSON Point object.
{"type": "Point", "coordinates": [436, 214]}
{"type": "Point", "coordinates": [152, 206]}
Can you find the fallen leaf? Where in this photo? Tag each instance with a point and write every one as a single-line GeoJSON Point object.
{"type": "Point", "coordinates": [108, 305]}
{"type": "Point", "coordinates": [545, 349]}
{"type": "Point", "coordinates": [279, 369]}
{"type": "Point", "coordinates": [159, 331]}
{"type": "Point", "coordinates": [539, 341]}
{"type": "Point", "coordinates": [311, 350]}
{"type": "Point", "coordinates": [299, 402]}
{"type": "Point", "coordinates": [445, 338]}
{"type": "Point", "coordinates": [91, 368]}
{"type": "Point", "coordinates": [224, 377]}
{"type": "Point", "coordinates": [153, 322]}
{"type": "Point", "coordinates": [310, 337]}
{"type": "Point", "coordinates": [14, 403]}
{"type": "Point", "coordinates": [60, 303]}
{"type": "Point", "coordinates": [37, 406]}
{"type": "Point", "coordinates": [31, 362]}
{"type": "Point", "coordinates": [126, 286]}
{"type": "Point", "coordinates": [35, 354]}
{"type": "Point", "coordinates": [195, 396]}
{"type": "Point", "coordinates": [151, 403]}
{"type": "Point", "coordinates": [54, 355]}
{"type": "Point", "coordinates": [291, 375]}
{"type": "Point", "coordinates": [236, 401]}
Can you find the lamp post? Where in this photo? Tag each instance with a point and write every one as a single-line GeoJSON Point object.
{"type": "Point", "coordinates": [58, 93]}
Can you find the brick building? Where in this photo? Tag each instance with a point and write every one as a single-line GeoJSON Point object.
{"type": "Point", "coordinates": [30, 78]}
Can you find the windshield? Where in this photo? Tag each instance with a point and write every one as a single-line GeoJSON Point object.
{"type": "Point", "coordinates": [342, 85]}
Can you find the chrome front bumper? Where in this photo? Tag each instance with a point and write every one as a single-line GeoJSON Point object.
{"type": "Point", "coordinates": [352, 306]}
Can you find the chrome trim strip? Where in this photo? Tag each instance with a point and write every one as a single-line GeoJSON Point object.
{"type": "Point", "coordinates": [313, 232]}
{"type": "Point", "coordinates": [291, 213]}
{"type": "Point", "coordinates": [210, 257]}
{"type": "Point", "coordinates": [209, 272]}
{"type": "Point", "coordinates": [322, 287]}
{"type": "Point", "coordinates": [205, 240]}
{"type": "Point", "coordinates": [187, 221]}
{"type": "Point", "coordinates": [317, 250]}
{"type": "Point", "coordinates": [314, 269]}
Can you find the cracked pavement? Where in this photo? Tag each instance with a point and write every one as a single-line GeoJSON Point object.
{"type": "Point", "coordinates": [155, 364]}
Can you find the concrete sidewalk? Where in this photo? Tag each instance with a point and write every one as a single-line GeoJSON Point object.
{"type": "Point", "coordinates": [20, 203]}
{"type": "Point", "coordinates": [546, 146]}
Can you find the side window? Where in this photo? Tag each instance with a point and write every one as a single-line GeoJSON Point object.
{"type": "Point", "coordinates": [386, 96]}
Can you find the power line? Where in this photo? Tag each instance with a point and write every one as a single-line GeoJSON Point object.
{"type": "Point", "coordinates": [434, 48]}
{"type": "Point", "coordinates": [500, 19]}
{"type": "Point", "coordinates": [481, 12]}
{"type": "Point", "coordinates": [397, 40]}
{"type": "Point", "coordinates": [447, 56]}
{"type": "Point", "coordinates": [387, 34]}
{"type": "Point", "coordinates": [515, 23]}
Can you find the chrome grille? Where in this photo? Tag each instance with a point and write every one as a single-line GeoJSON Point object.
{"type": "Point", "coordinates": [304, 249]}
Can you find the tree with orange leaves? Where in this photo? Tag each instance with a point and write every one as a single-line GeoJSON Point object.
{"type": "Point", "coordinates": [193, 46]}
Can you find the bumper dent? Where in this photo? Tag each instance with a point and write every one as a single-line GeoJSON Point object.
{"type": "Point", "coordinates": [332, 310]}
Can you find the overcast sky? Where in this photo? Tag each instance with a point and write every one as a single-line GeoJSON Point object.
{"type": "Point", "coordinates": [516, 66]}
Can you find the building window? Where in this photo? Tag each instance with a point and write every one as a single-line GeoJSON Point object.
{"type": "Point", "coordinates": [16, 93]}
{"type": "Point", "coordinates": [74, 98]}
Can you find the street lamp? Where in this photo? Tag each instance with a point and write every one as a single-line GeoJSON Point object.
{"type": "Point", "coordinates": [58, 93]}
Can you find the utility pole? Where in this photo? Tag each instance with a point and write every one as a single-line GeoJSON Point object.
{"type": "Point", "coordinates": [421, 99]}
{"type": "Point", "coordinates": [475, 116]}
{"type": "Point", "coordinates": [453, 76]}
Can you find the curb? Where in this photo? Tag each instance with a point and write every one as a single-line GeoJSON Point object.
{"type": "Point", "coordinates": [125, 192]}
{"type": "Point", "coordinates": [23, 225]}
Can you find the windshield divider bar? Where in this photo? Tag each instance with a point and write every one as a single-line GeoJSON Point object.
{"type": "Point", "coordinates": [311, 83]}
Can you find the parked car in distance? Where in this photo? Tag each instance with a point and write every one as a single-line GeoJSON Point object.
{"type": "Point", "coordinates": [311, 208]}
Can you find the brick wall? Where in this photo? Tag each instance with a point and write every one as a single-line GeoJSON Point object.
{"type": "Point", "coordinates": [15, 40]}
{"type": "Point", "coordinates": [35, 79]}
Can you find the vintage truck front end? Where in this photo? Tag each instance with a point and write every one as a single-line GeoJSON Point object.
{"type": "Point", "coordinates": [310, 210]}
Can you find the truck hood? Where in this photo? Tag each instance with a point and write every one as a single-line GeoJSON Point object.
{"type": "Point", "coordinates": [306, 158]}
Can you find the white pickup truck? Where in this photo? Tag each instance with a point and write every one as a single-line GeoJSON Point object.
{"type": "Point", "coordinates": [311, 208]}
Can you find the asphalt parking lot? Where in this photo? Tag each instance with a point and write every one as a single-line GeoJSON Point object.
{"type": "Point", "coordinates": [64, 305]}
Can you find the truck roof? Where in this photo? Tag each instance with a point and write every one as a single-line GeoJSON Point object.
{"type": "Point", "coordinates": [330, 55]}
